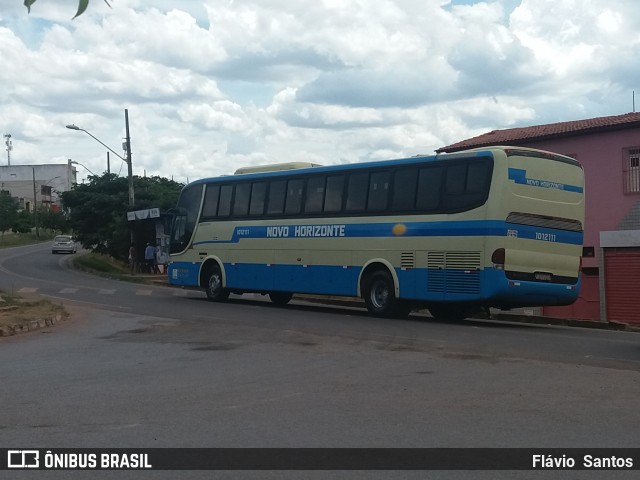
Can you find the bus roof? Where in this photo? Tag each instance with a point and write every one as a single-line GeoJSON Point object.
{"type": "Point", "coordinates": [284, 169]}
{"type": "Point", "coordinates": [275, 167]}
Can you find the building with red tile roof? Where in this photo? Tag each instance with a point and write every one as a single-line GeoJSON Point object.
{"type": "Point", "coordinates": [538, 133]}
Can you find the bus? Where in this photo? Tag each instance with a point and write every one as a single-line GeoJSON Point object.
{"type": "Point", "coordinates": [494, 227]}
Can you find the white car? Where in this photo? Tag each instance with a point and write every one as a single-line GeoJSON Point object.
{"type": "Point", "coordinates": [63, 243]}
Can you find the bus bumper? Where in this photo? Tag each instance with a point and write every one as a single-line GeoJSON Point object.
{"type": "Point", "coordinates": [501, 291]}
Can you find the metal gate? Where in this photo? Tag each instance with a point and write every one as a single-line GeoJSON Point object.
{"type": "Point", "coordinates": [622, 284]}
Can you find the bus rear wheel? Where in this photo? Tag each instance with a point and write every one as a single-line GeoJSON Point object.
{"type": "Point", "coordinates": [380, 298]}
{"type": "Point", "coordinates": [280, 298]}
{"type": "Point", "coordinates": [213, 285]}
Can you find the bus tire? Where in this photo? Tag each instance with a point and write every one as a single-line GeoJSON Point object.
{"type": "Point", "coordinates": [451, 313]}
{"type": "Point", "coordinates": [280, 298]}
{"type": "Point", "coordinates": [213, 285]}
{"type": "Point", "coordinates": [380, 298]}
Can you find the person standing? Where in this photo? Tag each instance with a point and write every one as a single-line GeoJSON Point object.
{"type": "Point", "coordinates": [133, 259]}
{"type": "Point", "coordinates": [150, 258]}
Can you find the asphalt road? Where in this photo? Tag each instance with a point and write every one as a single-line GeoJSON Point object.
{"type": "Point", "coordinates": [152, 366]}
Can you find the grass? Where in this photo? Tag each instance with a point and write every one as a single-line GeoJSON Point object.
{"type": "Point", "coordinates": [95, 262]}
{"type": "Point", "coordinates": [18, 239]}
{"type": "Point", "coordinates": [108, 267]}
{"type": "Point", "coordinates": [18, 314]}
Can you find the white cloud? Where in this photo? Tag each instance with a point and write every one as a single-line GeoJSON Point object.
{"type": "Point", "coordinates": [212, 85]}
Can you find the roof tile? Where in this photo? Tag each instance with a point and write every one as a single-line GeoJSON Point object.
{"type": "Point", "coordinates": [544, 132]}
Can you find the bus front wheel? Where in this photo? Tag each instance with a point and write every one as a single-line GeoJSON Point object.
{"type": "Point", "coordinates": [280, 298]}
{"type": "Point", "coordinates": [380, 298]}
{"type": "Point", "coordinates": [213, 285]}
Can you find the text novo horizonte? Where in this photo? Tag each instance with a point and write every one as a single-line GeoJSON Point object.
{"type": "Point", "coordinates": [306, 231]}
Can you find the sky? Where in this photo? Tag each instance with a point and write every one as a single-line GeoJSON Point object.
{"type": "Point", "coordinates": [214, 85]}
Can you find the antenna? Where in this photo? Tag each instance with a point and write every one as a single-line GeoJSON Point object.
{"type": "Point", "coordinates": [633, 97]}
{"type": "Point", "coordinates": [9, 147]}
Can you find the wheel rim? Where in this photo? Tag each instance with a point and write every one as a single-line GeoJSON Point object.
{"type": "Point", "coordinates": [379, 295]}
{"type": "Point", "coordinates": [214, 284]}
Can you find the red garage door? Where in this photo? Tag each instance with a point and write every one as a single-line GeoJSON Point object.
{"type": "Point", "coordinates": [622, 284]}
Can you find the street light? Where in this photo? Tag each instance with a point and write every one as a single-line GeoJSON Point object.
{"type": "Point", "coordinates": [73, 162]}
{"type": "Point", "coordinates": [127, 145]}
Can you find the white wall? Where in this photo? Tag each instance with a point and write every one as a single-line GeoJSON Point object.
{"type": "Point", "coordinates": [19, 180]}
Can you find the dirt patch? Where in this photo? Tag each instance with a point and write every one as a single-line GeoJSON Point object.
{"type": "Point", "coordinates": [19, 315]}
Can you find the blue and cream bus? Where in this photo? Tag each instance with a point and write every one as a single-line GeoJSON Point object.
{"type": "Point", "coordinates": [493, 227]}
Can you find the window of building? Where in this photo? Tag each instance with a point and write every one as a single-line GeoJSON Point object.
{"type": "Point", "coordinates": [631, 169]}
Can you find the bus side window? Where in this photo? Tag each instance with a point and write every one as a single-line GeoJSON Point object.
{"type": "Point", "coordinates": [333, 195]}
{"type": "Point", "coordinates": [404, 190]}
{"type": "Point", "coordinates": [315, 195]}
{"type": "Point", "coordinates": [456, 180]}
{"type": "Point", "coordinates": [258, 190]}
{"type": "Point", "coordinates": [357, 192]}
{"type": "Point", "coordinates": [277, 191]}
{"type": "Point", "coordinates": [378, 192]}
{"type": "Point", "coordinates": [293, 202]}
{"type": "Point", "coordinates": [210, 206]}
{"type": "Point", "coordinates": [477, 177]}
{"type": "Point", "coordinates": [241, 202]}
{"type": "Point", "coordinates": [429, 186]}
{"type": "Point", "coordinates": [466, 186]}
{"type": "Point", "coordinates": [226, 193]}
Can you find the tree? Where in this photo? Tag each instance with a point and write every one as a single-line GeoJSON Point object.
{"type": "Point", "coordinates": [53, 221]}
{"type": "Point", "coordinates": [23, 222]}
{"type": "Point", "coordinates": [8, 212]}
{"type": "Point", "coordinates": [82, 6]}
{"type": "Point", "coordinates": [98, 209]}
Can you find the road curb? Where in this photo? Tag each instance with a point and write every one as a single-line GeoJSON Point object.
{"type": "Point", "coordinates": [504, 317]}
{"type": "Point", "coordinates": [33, 325]}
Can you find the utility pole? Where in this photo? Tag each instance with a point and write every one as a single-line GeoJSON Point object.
{"type": "Point", "coordinates": [9, 147]}
{"type": "Point", "coordinates": [129, 166]}
{"type": "Point", "coordinates": [35, 204]}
